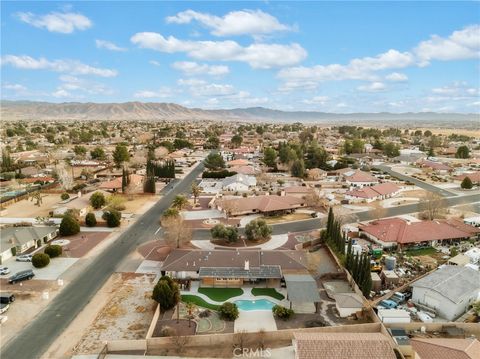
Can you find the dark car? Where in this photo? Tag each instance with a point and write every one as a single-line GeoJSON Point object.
{"type": "Point", "coordinates": [7, 298]}
{"type": "Point", "coordinates": [22, 275]}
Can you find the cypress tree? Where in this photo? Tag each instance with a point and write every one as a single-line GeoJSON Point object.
{"type": "Point", "coordinates": [124, 180]}
{"type": "Point", "coordinates": [348, 257]}
{"type": "Point", "coordinates": [330, 220]}
{"type": "Point", "coordinates": [367, 281]}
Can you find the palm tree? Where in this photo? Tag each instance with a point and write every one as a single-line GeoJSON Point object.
{"type": "Point", "coordinates": [179, 201]}
{"type": "Point", "coordinates": [196, 190]}
{"type": "Point", "coordinates": [190, 308]}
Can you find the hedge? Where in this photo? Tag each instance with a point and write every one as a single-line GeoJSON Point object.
{"type": "Point", "coordinates": [40, 260]}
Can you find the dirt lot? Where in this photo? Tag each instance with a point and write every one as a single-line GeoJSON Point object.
{"type": "Point", "coordinates": [28, 303]}
{"type": "Point", "coordinates": [127, 314]}
{"type": "Point", "coordinates": [135, 204]}
{"type": "Point", "coordinates": [27, 208]}
{"type": "Point", "coordinates": [81, 243]}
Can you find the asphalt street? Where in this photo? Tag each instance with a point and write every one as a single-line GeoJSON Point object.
{"type": "Point", "coordinates": [36, 338]}
{"type": "Point", "coordinates": [426, 186]}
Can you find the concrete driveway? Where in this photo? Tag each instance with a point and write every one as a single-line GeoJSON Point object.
{"type": "Point", "coordinates": [53, 271]}
{"type": "Point", "coordinates": [206, 214]}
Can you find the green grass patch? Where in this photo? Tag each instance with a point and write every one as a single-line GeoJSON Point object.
{"type": "Point", "coordinates": [270, 292]}
{"type": "Point", "coordinates": [199, 302]}
{"type": "Point", "coordinates": [221, 294]}
{"type": "Point", "coordinates": [421, 251]}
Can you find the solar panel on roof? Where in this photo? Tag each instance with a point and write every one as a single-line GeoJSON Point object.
{"type": "Point", "coordinates": [233, 272]}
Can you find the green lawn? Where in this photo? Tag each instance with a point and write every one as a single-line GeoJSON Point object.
{"type": "Point", "coordinates": [221, 294]}
{"type": "Point", "coordinates": [199, 302]}
{"type": "Point", "coordinates": [421, 252]}
{"type": "Point", "coordinates": [271, 292]}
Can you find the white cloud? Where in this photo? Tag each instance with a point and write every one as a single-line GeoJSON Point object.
{"type": "Point", "coordinates": [73, 67]}
{"type": "Point", "coordinates": [61, 93]}
{"type": "Point", "coordinates": [460, 45]}
{"type": "Point", "coordinates": [154, 63]}
{"type": "Point", "coordinates": [14, 87]}
{"type": "Point", "coordinates": [372, 87]}
{"type": "Point", "coordinates": [107, 45]}
{"type": "Point", "coordinates": [317, 100]}
{"type": "Point", "coordinates": [396, 77]}
{"type": "Point", "coordinates": [243, 22]}
{"type": "Point", "coordinates": [193, 68]}
{"type": "Point", "coordinates": [357, 69]}
{"type": "Point", "coordinates": [457, 89]}
{"type": "Point", "coordinates": [71, 83]}
{"type": "Point", "coordinates": [64, 23]}
{"type": "Point", "coordinates": [164, 92]}
{"type": "Point", "coordinates": [257, 55]}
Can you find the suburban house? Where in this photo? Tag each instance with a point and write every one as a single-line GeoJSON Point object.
{"type": "Point", "coordinates": [24, 238]}
{"type": "Point", "coordinates": [357, 178]}
{"type": "Point", "coordinates": [436, 167]}
{"type": "Point", "coordinates": [115, 185]}
{"type": "Point", "coordinates": [452, 348]}
{"type": "Point", "coordinates": [298, 191]}
{"type": "Point", "coordinates": [229, 268]}
{"type": "Point", "coordinates": [392, 232]}
{"type": "Point", "coordinates": [80, 203]}
{"type": "Point", "coordinates": [244, 170]}
{"type": "Point", "coordinates": [369, 194]}
{"type": "Point", "coordinates": [239, 183]}
{"type": "Point", "coordinates": [266, 204]}
{"type": "Point", "coordinates": [474, 177]}
{"type": "Point", "coordinates": [448, 291]}
{"type": "Point", "coordinates": [342, 345]}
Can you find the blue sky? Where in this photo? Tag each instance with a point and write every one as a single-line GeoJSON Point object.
{"type": "Point", "coordinates": [322, 56]}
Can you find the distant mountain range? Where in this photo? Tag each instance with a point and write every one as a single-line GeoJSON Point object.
{"type": "Point", "coordinates": [29, 110]}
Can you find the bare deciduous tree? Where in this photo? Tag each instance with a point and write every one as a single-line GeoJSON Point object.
{"type": "Point", "coordinates": [64, 176]}
{"type": "Point", "coordinates": [432, 206]}
{"type": "Point", "coordinates": [176, 232]}
{"type": "Point", "coordinates": [315, 201]}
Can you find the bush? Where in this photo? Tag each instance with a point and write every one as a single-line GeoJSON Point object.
{"type": "Point", "coordinates": [205, 313]}
{"type": "Point", "coordinates": [228, 311]}
{"type": "Point", "coordinates": [79, 186]}
{"type": "Point", "coordinates": [218, 174]}
{"type": "Point", "coordinates": [112, 217]}
{"type": "Point", "coordinates": [257, 230]}
{"type": "Point", "coordinates": [90, 220]}
{"type": "Point", "coordinates": [69, 226]}
{"type": "Point", "coordinates": [97, 200]}
{"type": "Point", "coordinates": [227, 233]}
{"type": "Point", "coordinates": [65, 196]}
{"type": "Point", "coordinates": [40, 260]}
{"type": "Point", "coordinates": [14, 251]}
{"type": "Point", "coordinates": [466, 183]}
{"type": "Point", "coordinates": [282, 312]}
{"type": "Point", "coordinates": [53, 250]}
{"type": "Point", "coordinates": [167, 331]}
{"type": "Point", "coordinates": [166, 293]}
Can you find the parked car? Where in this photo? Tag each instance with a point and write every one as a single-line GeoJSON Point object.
{"type": "Point", "coordinates": [4, 270]}
{"type": "Point", "coordinates": [7, 298]}
{"type": "Point", "coordinates": [24, 258]}
{"type": "Point", "coordinates": [22, 275]}
{"type": "Point", "coordinates": [389, 304]}
{"type": "Point", "coordinates": [4, 307]}
{"type": "Point", "coordinates": [399, 297]}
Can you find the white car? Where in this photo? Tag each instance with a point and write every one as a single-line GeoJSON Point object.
{"type": "Point", "coordinates": [4, 270]}
{"type": "Point", "coordinates": [24, 258]}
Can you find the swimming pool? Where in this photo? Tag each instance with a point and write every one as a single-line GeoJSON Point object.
{"type": "Point", "coordinates": [261, 304]}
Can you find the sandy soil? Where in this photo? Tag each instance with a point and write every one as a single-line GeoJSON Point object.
{"type": "Point", "coordinates": [28, 303]}
{"type": "Point", "coordinates": [127, 315]}
{"type": "Point", "coordinates": [27, 209]}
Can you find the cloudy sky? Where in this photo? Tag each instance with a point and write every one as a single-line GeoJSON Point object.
{"type": "Point", "coordinates": [323, 56]}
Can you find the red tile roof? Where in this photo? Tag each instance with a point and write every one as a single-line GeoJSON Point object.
{"type": "Point", "coordinates": [403, 232]}
{"type": "Point", "coordinates": [435, 165]}
{"type": "Point", "coordinates": [382, 189]}
{"type": "Point", "coordinates": [359, 176]}
{"type": "Point", "coordinates": [474, 176]}
{"type": "Point", "coordinates": [262, 203]}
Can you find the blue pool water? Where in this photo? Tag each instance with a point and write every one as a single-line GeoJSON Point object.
{"type": "Point", "coordinates": [261, 304]}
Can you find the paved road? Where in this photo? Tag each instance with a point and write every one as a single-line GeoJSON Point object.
{"type": "Point", "coordinates": [315, 223]}
{"type": "Point", "coordinates": [426, 186]}
{"type": "Point", "coordinates": [36, 338]}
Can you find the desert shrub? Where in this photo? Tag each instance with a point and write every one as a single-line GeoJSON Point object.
{"type": "Point", "coordinates": [167, 331]}
{"type": "Point", "coordinates": [112, 217]}
{"type": "Point", "coordinates": [205, 313]}
{"type": "Point", "coordinates": [97, 200]}
{"type": "Point", "coordinates": [40, 260]}
{"type": "Point", "coordinates": [90, 220]}
{"type": "Point", "coordinates": [282, 312]}
{"type": "Point", "coordinates": [228, 311]}
{"type": "Point", "coordinates": [65, 196]}
{"type": "Point", "coordinates": [53, 250]}
{"type": "Point", "coordinates": [69, 226]}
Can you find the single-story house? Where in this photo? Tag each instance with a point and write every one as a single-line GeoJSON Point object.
{"type": "Point", "coordinates": [239, 183]}
{"type": "Point", "coordinates": [459, 260]}
{"type": "Point", "coordinates": [298, 191]}
{"type": "Point", "coordinates": [448, 291]}
{"type": "Point", "coordinates": [342, 345]}
{"type": "Point", "coordinates": [115, 184]}
{"type": "Point", "coordinates": [474, 177]}
{"type": "Point", "coordinates": [369, 194]}
{"type": "Point", "coordinates": [437, 167]}
{"type": "Point", "coordinates": [230, 268]}
{"type": "Point", "coordinates": [392, 232]}
{"type": "Point", "coordinates": [357, 178]}
{"type": "Point", "coordinates": [24, 238]}
{"type": "Point", "coordinates": [451, 348]}
{"type": "Point", "coordinates": [244, 170]}
{"type": "Point", "coordinates": [265, 204]}
{"type": "Point", "coordinates": [80, 203]}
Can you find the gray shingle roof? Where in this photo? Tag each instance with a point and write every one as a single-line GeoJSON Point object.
{"type": "Point", "coordinates": [17, 236]}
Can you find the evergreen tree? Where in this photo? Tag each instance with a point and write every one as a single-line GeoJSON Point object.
{"type": "Point", "coordinates": [124, 180]}
{"type": "Point", "coordinates": [329, 222]}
